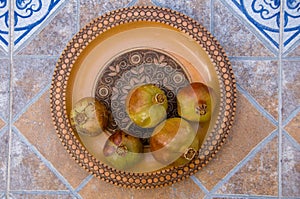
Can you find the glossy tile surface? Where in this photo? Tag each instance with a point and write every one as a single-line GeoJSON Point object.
{"type": "Point", "coordinates": [260, 158]}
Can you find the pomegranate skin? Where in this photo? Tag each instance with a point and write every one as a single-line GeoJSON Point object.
{"type": "Point", "coordinates": [146, 105]}
{"type": "Point", "coordinates": [194, 102]}
{"type": "Point", "coordinates": [174, 142]}
{"type": "Point", "coordinates": [89, 117]}
{"type": "Point", "coordinates": [123, 151]}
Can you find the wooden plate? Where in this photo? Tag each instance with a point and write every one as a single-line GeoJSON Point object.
{"type": "Point", "coordinates": [133, 46]}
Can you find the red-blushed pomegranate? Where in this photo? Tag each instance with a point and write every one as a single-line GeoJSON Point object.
{"type": "Point", "coordinates": [89, 117]}
{"type": "Point", "coordinates": [123, 151]}
{"type": "Point", "coordinates": [146, 105]}
{"type": "Point", "coordinates": [174, 142]}
{"type": "Point", "coordinates": [195, 102]}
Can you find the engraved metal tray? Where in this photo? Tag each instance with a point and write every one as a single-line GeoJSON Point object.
{"type": "Point", "coordinates": [140, 45]}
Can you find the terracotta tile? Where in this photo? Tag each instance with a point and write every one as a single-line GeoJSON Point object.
{"type": "Point", "coordinates": [290, 87]}
{"type": "Point", "coordinates": [3, 160]}
{"type": "Point", "coordinates": [30, 76]}
{"type": "Point", "coordinates": [4, 88]}
{"type": "Point", "coordinates": [183, 189]}
{"type": "Point", "coordinates": [97, 188]}
{"type": "Point", "coordinates": [293, 128]}
{"type": "Point", "coordinates": [258, 176]}
{"type": "Point", "coordinates": [92, 9]}
{"type": "Point", "coordinates": [236, 39]}
{"type": "Point", "coordinates": [157, 193]}
{"type": "Point", "coordinates": [198, 10]}
{"type": "Point", "coordinates": [259, 78]}
{"type": "Point", "coordinates": [290, 169]}
{"type": "Point", "coordinates": [229, 197]}
{"type": "Point", "coordinates": [54, 37]}
{"type": "Point", "coordinates": [2, 123]}
{"type": "Point", "coordinates": [249, 128]}
{"type": "Point", "coordinates": [187, 189]}
{"type": "Point", "coordinates": [28, 172]}
{"type": "Point", "coordinates": [41, 196]}
{"type": "Point", "coordinates": [36, 126]}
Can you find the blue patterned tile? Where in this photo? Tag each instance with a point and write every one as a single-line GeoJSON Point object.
{"type": "Point", "coordinates": [53, 38]}
{"type": "Point", "coordinates": [4, 24]}
{"type": "Point", "coordinates": [29, 17]}
{"type": "Point", "coordinates": [291, 23]}
{"type": "Point", "coordinates": [263, 17]}
{"type": "Point", "coordinates": [235, 37]}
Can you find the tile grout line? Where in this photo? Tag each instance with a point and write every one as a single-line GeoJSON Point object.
{"type": "Point", "coordinates": [157, 3]}
{"type": "Point", "coordinates": [133, 2]}
{"type": "Point", "coordinates": [280, 76]}
{"type": "Point", "coordinates": [199, 184]}
{"type": "Point", "coordinates": [291, 116]}
{"type": "Point", "coordinates": [294, 143]}
{"type": "Point", "coordinates": [253, 58]}
{"type": "Point", "coordinates": [244, 161]}
{"type": "Point", "coordinates": [44, 192]}
{"type": "Point", "coordinates": [36, 56]}
{"type": "Point", "coordinates": [83, 183]}
{"type": "Point", "coordinates": [4, 120]}
{"type": "Point", "coordinates": [291, 48]}
{"type": "Point", "coordinates": [3, 130]}
{"type": "Point", "coordinates": [45, 161]}
{"type": "Point", "coordinates": [10, 103]}
{"type": "Point", "coordinates": [252, 100]}
{"type": "Point", "coordinates": [31, 102]}
{"type": "Point", "coordinates": [291, 58]}
{"type": "Point", "coordinates": [234, 196]}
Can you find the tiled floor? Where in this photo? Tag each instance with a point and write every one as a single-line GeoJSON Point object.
{"type": "Point", "coordinates": [261, 158]}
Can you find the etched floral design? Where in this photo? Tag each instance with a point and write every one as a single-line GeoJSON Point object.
{"type": "Point", "coordinates": [136, 67]}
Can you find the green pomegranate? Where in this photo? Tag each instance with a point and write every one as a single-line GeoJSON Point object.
{"type": "Point", "coordinates": [146, 105]}
{"type": "Point", "coordinates": [194, 102]}
{"type": "Point", "coordinates": [174, 142]}
{"type": "Point", "coordinates": [123, 151]}
{"type": "Point", "coordinates": [89, 117]}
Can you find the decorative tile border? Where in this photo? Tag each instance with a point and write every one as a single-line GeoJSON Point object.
{"type": "Point", "coordinates": [29, 17]}
{"type": "Point", "coordinates": [263, 16]}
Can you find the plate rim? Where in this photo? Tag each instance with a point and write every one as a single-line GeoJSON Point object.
{"type": "Point", "coordinates": [104, 23]}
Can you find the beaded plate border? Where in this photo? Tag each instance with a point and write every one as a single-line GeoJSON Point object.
{"type": "Point", "coordinates": [79, 42]}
